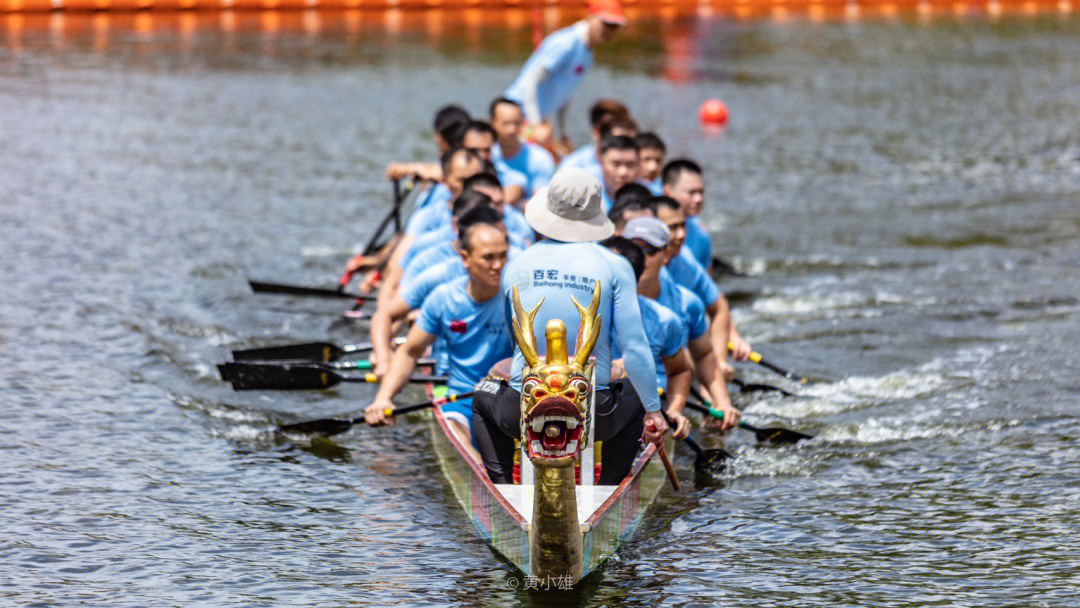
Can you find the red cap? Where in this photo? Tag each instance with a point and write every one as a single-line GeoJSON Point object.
{"type": "Point", "coordinates": [608, 11]}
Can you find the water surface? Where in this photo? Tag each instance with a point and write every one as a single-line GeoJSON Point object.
{"type": "Point", "coordinates": [905, 193]}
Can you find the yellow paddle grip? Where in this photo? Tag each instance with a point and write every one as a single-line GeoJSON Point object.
{"type": "Point", "coordinates": [754, 356]}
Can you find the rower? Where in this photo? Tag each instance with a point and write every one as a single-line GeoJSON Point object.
{"type": "Point", "coordinates": [611, 125]}
{"type": "Point", "coordinates": [471, 208]}
{"type": "Point", "coordinates": [618, 156]}
{"type": "Point", "coordinates": [585, 156]}
{"type": "Point", "coordinates": [449, 249]}
{"type": "Point", "coordinates": [549, 77]}
{"type": "Point", "coordinates": [469, 314]}
{"type": "Point", "coordinates": [651, 151]}
{"type": "Point", "coordinates": [443, 238]}
{"type": "Point", "coordinates": [513, 157]}
{"type": "Point", "coordinates": [682, 181]}
{"type": "Point", "coordinates": [632, 200]}
{"type": "Point", "coordinates": [489, 184]}
{"type": "Point", "coordinates": [685, 270]}
{"type": "Point", "coordinates": [652, 236]}
{"type": "Point", "coordinates": [568, 263]}
{"type": "Point", "coordinates": [449, 127]}
{"type": "Point", "coordinates": [667, 336]}
{"type": "Point", "coordinates": [458, 165]}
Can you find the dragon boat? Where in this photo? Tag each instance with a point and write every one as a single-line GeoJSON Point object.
{"type": "Point", "coordinates": [554, 523]}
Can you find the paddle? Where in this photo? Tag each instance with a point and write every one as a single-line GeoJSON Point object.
{"type": "Point", "coordinates": [703, 459]}
{"type": "Point", "coordinates": [333, 426]}
{"type": "Point", "coordinates": [394, 215]}
{"type": "Point", "coordinates": [757, 358]}
{"type": "Point", "coordinates": [292, 375]}
{"type": "Point", "coordinates": [301, 290]}
{"type": "Point", "coordinates": [720, 266]}
{"type": "Point", "coordinates": [749, 387]}
{"type": "Point", "coordinates": [664, 457]}
{"type": "Point", "coordinates": [314, 351]}
{"type": "Point", "coordinates": [769, 435]}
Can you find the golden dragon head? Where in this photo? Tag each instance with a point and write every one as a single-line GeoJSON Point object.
{"type": "Point", "coordinates": [554, 390]}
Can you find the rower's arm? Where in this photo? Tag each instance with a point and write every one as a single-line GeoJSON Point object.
{"type": "Point", "coordinates": [677, 369]}
{"type": "Point", "coordinates": [708, 372]}
{"type": "Point", "coordinates": [514, 194]}
{"type": "Point", "coordinates": [637, 356]}
{"type": "Point", "coordinates": [719, 330]}
{"type": "Point", "coordinates": [393, 272]}
{"type": "Point", "coordinates": [403, 363]}
{"type": "Point", "coordinates": [530, 84]}
{"type": "Point", "coordinates": [382, 331]}
{"type": "Point", "coordinates": [742, 349]}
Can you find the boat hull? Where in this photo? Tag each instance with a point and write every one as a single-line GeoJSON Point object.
{"type": "Point", "coordinates": [496, 511]}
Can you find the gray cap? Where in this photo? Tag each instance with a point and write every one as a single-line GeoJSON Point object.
{"type": "Point", "coordinates": [569, 209]}
{"type": "Point", "coordinates": [648, 229]}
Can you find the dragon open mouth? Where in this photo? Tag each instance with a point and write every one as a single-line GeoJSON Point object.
{"type": "Point", "coordinates": [554, 428]}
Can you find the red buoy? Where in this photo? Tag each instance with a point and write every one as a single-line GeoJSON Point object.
{"type": "Point", "coordinates": [713, 112]}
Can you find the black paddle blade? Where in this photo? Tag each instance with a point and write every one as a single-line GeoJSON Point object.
{"type": "Point", "coordinates": [246, 376]}
{"type": "Point", "coordinates": [325, 426]}
{"type": "Point", "coordinates": [722, 267]}
{"type": "Point", "coordinates": [750, 387]}
{"type": "Point", "coordinates": [300, 290]}
{"type": "Point", "coordinates": [711, 460]}
{"type": "Point", "coordinates": [323, 352]}
{"type": "Point", "coordinates": [776, 435]}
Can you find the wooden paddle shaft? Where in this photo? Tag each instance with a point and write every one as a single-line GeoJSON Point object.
{"type": "Point", "coordinates": [670, 469]}
{"type": "Point", "coordinates": [667, 461]}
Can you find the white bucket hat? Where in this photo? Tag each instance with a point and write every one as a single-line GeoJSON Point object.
{"type": "Point", "coordinates": [568, 209]}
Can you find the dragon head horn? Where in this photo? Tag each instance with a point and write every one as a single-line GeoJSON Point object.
{"type": "Point", "coordinates": [589, 330]}
{"type": "Point", "coordinates": [523, 329]}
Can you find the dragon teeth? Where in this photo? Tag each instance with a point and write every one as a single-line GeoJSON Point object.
{"type": "Point", "coordinates": [571, 424]}
{"type": "Point", "coordinates": [538, 424]}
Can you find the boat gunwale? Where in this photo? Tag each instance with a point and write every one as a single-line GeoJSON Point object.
{"type": "Point", "coordinates": [636, 471]}
{"type": "Point", "coordinates": [485, 480]}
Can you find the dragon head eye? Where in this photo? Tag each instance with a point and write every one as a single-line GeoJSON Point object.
{"type": "Point", "coordinates": [529, 386]}
{"type": "Point", "coordinates": [580, 385]}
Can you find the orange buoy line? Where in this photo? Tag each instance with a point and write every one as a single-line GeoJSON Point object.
{"type": "Point", "coordinates": [524, 12]}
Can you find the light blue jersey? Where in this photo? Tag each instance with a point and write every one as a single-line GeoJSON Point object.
{"type": "Point", "coordinates": [415, 291]}
{"type": "Point", "coordinates": [519, 231]}
{"type": "Point", "coordinates": [432, 256]}
{"type": "Point", "coordinates": [476, 333]}
{"type": "Point", "coordinates": [686, 271]}
{"type": "Point", "coordinates": [656, 187]}
{"type": "Point", "coordinates": [606, 202]}
{"type": "Point", "coordinates": [566, 58]}
{"type": "Point", "coordinates": [427, 240]}
{"type": "Point", "coordinates": [434, 195]}
{"type": "Point", "coordinates": [509, 176]}
{"type": "Point", "coordinates": [582, 158]}
{"type": "Point", "coordinates": [698, 241]}
{"type": "Point", "coordinates": [428, 219]}
{"type": "Point", "coordinates": [555, 271]}
{"type": "Point", "coordinates": [689, 307]}
{"type": "Point", "coordinates": [666, 332]}
{"type": "Point", "coordinates": [533, 162]}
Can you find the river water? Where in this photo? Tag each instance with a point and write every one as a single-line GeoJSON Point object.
{"type": "Point", "coordinates": [904, 191]}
